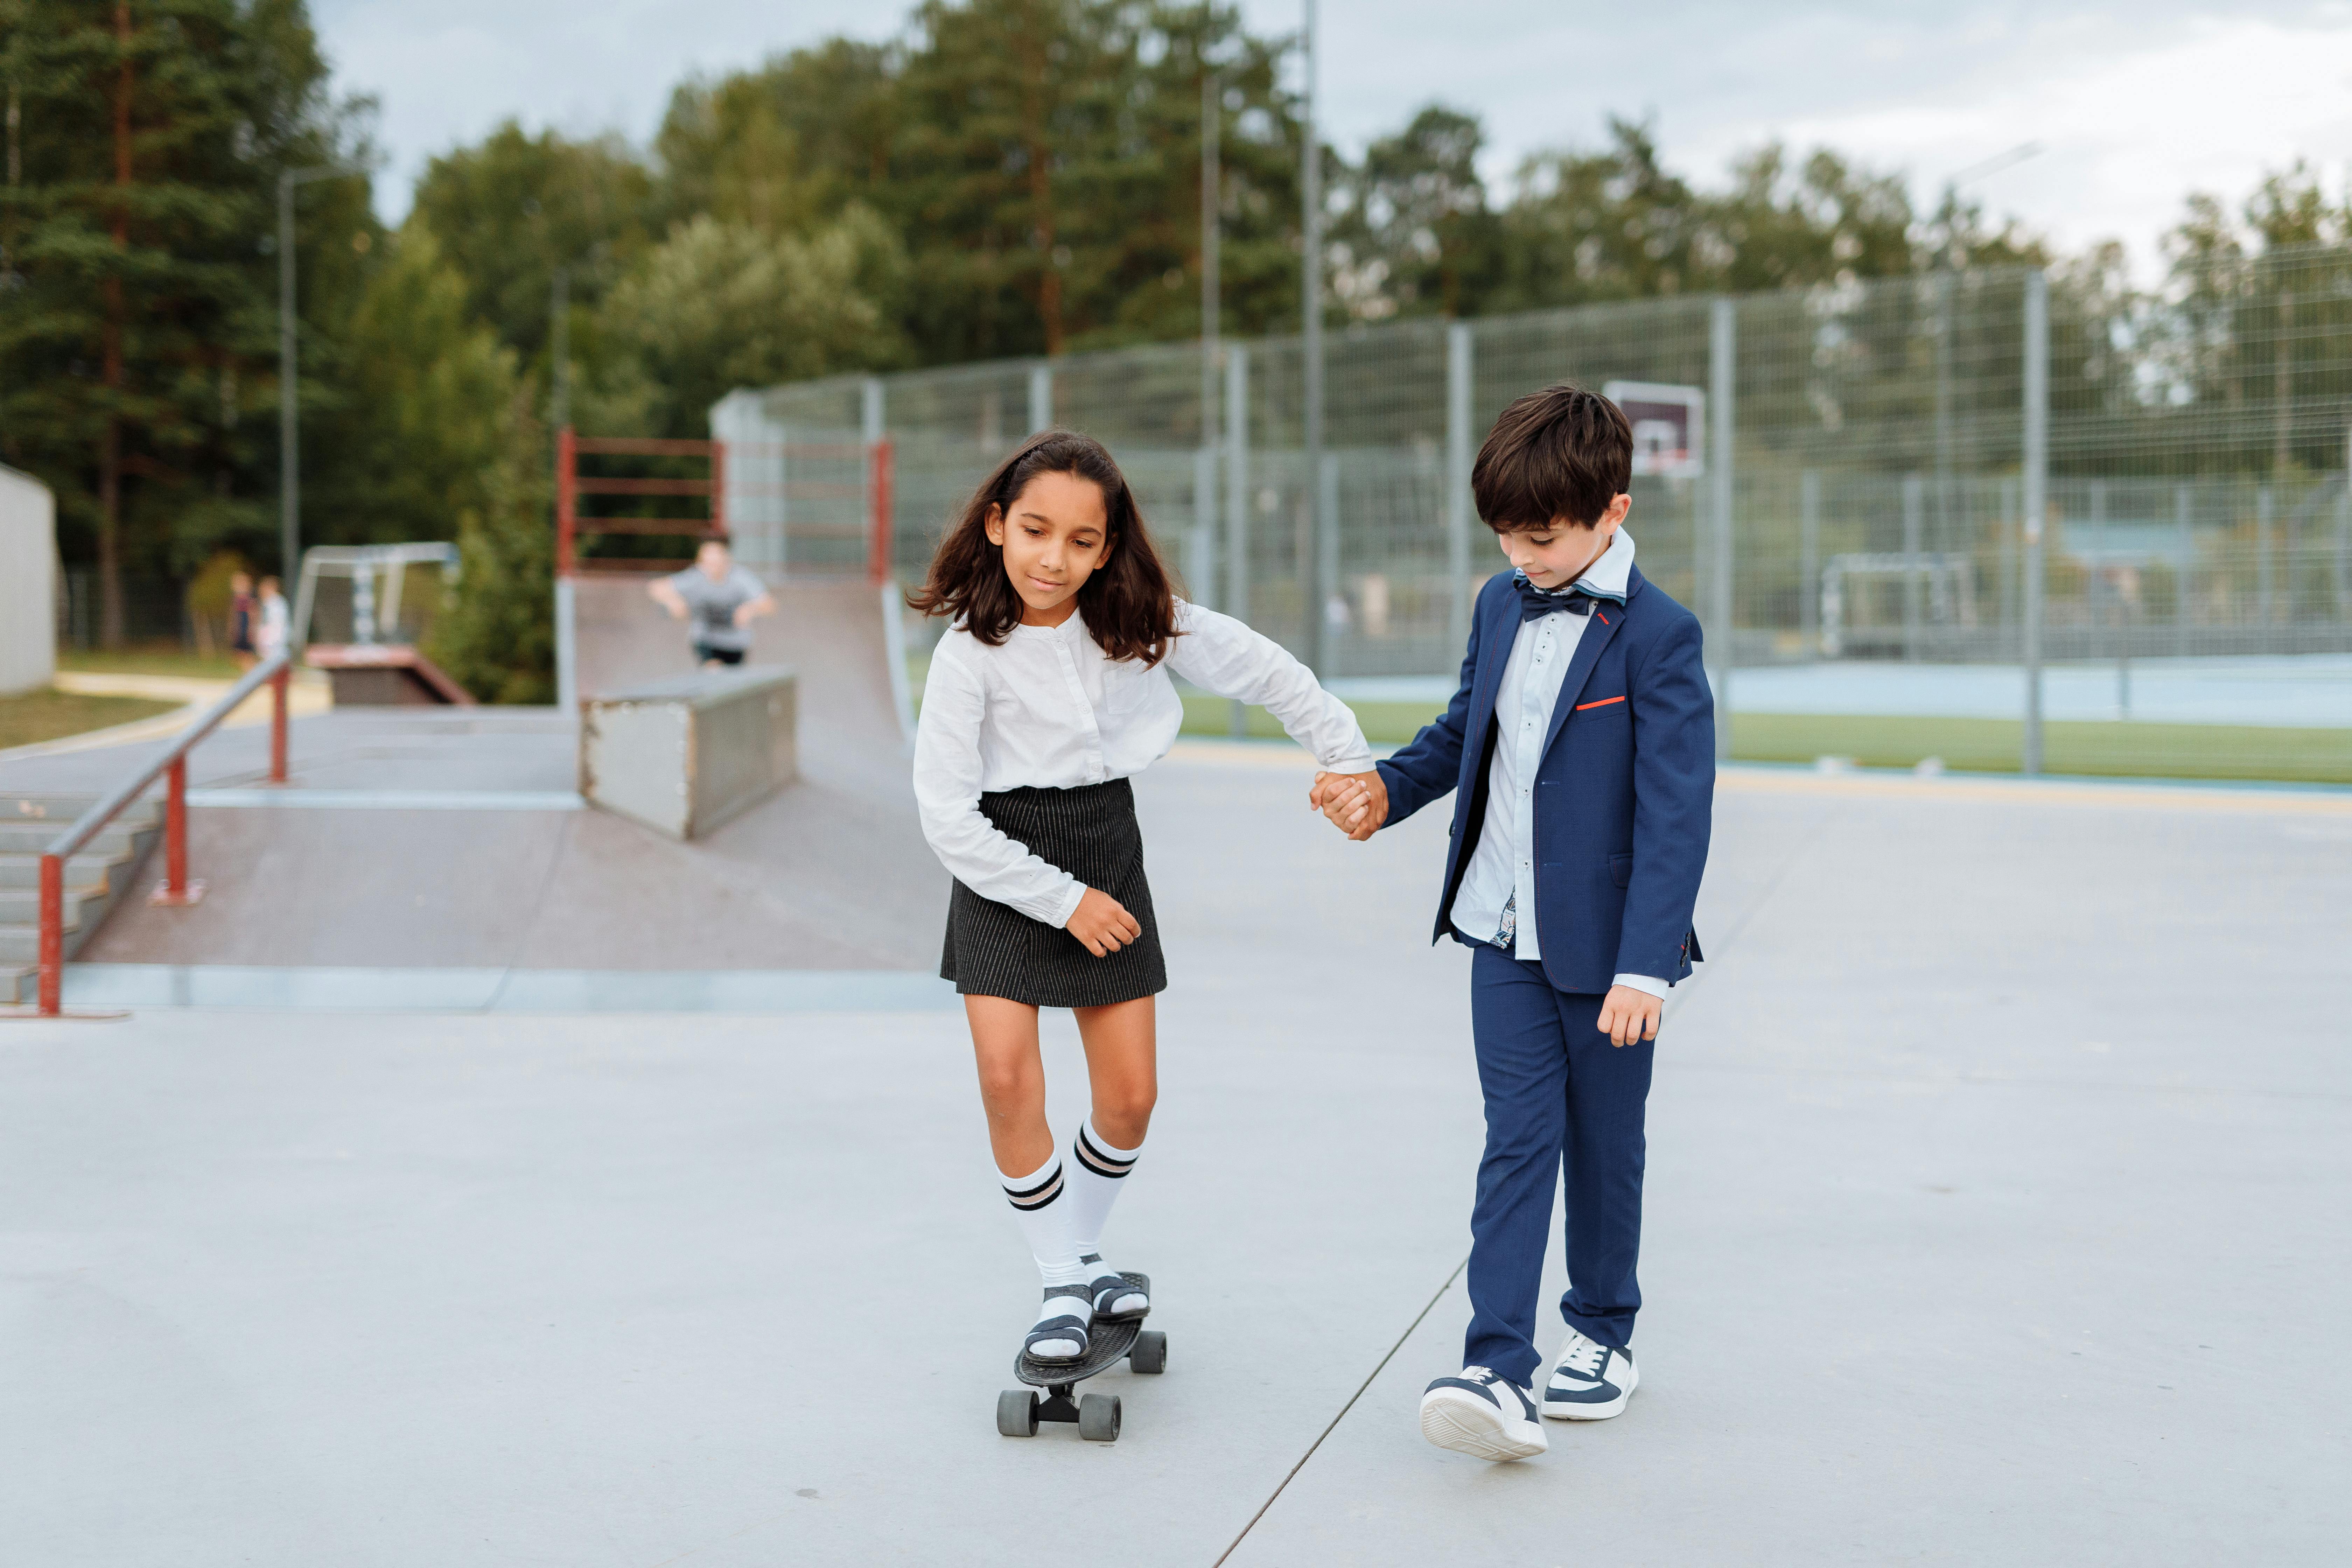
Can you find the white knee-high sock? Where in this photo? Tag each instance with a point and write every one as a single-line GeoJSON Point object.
{"type": "Point", "coordinates": [1097, 1170]}
{"type": "Point", "coordinates": [1041, 1204]}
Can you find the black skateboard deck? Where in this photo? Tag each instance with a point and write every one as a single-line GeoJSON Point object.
{"type": "Point", "coordinates": [1018, 1411]}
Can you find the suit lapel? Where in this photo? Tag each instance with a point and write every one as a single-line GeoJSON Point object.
{"type": "Point", "coordinates": [1605, 620]}
{"type": "Point", "coordinates": [1502, 633]}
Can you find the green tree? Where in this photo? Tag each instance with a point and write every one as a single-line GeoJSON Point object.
{"type": "Point", "coordinates": [137, 337]}
{"type": "Point", "coordinates": [509, 212]}
{"type": "Point", "coordinates": [719, 305]}
{"type": "Point", "coordinates": [786, 146]}
{"type": "Point", "coordinates": [1417, 236]}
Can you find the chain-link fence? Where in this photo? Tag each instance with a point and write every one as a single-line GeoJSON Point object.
{"type": "Point", "coordinates": [1843, 482]}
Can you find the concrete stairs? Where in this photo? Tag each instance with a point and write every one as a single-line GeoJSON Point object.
{"type": "Point", "coordinates": [96, 880]}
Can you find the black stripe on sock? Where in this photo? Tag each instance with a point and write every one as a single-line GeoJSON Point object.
{"type": "Point", "coordinates": [1038, 1197]}
{"type": "Point", "coordinates": [1095, 1159]}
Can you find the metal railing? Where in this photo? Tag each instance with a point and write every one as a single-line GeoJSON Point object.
{"type": "Point", "coordinates": [175, 889]}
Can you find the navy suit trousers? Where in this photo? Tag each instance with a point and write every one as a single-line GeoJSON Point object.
{"type": "Point", "coordinates": [1558, 1097]}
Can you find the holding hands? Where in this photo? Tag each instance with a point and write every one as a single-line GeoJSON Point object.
{"type": "Point", "coordinates": [1357, 803]}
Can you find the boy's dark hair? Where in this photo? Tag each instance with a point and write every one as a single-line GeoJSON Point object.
{"type": "Point", "coordinates": [1128, 605]}
{"type": "Point", "coordinates": [1562, 453]}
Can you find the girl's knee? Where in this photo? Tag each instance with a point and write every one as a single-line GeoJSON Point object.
{"type": "Point", "coordinates": [1125, 1115]}
{"type": "Point", "coordinates": [1010, 1086]}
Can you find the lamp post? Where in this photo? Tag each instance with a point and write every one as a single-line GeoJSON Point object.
{"type": "Point", "coordinates": [1319, 522]}
{"type": "Point", "coordinates": [290, 393]}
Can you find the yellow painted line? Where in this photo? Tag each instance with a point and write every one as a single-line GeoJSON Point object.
{"type": "Point", "coordinates": [309, 695]}
{"type": "Point", "coordinates": [159, 727]}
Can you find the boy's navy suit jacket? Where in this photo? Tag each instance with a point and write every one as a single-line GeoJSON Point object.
{"type": "Point", "coordinates": [1625, 789]}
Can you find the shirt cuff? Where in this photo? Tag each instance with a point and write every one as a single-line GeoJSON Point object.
{"type": "Point", "coordinates": [1642, 982]}
{"type": "Point", "coordinates": [1361, 762]}
{"type": "Point", "coordinates": [1076, 895]}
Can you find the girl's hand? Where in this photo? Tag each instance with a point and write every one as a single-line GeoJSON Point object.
{"type": "Point", "coordinates": [1357, 803]}
{"type": "Point", "coordinates": [1103, 923]}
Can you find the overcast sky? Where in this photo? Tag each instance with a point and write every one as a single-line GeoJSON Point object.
{"type": "Point", "coordinates": [2133, 106]}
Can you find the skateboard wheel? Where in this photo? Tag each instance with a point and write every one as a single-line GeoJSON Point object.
{"type": "Point", "coordinates": [1016, 1413]}
{"type": "Point", "coordinates": [1098, 1417]}
{"type": "Point", "coordinates": [1150, 1352]}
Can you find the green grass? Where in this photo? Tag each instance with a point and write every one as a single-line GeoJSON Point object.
{"type": "Point", "coordinates": [1385, 724]}
{"type": "Point", "coordinates": [1972, 745]}
{"type": "Point", "coordinates": [1994, 745]}
{"type": "Point", "coordinates": [2254, 754]}
{"type": "Point", "coordinates": [169, 659]}
{"type": "Point", "coordinates": [50, 715]}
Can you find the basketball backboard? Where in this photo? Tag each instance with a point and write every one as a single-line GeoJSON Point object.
{"type": "Point", "coordinates": [1669, 423]}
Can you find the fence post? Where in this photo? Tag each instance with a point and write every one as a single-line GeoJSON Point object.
{"type": "Point", "coordinates": [567, 507]}
{"type": "Point", "coordinates": [2181, 574]}
{"type": "Point", "coordinates": [1327, 560]}
{"type": "Point", "coordinates": [1237, 561]}
{"type": "Point", "coordinates": [278, 694]}
{"type": "Point", "coordinates": [1722, 344]}
{"type": "Point", "coordinates": [1809, 561]}
{"type": "Point", "coordinates": [2344, 551]}
{"type": "Point", "coordinates": [53, 935]}
{"type": "Point", "coordinates": [2037, 497]}
{"type": "Point", "coordinates": [1206, 482]}
{"type": "Point", "coordinates": [2263, 520]}
{"type": "Point", "coordinates": [1041, 396]}
{"type": "Point", "coordinates": [719, 492]}
{"type": "Point", "coordinates": [2343, 536]}
{"type": "Point", "coordinates": [872, 430]}
{"type": "Point", "coordinates": [1915, 510]}
{"type": "Point", "coordinates": [1458, 349]}
{"type": "Point", "coordinates": [1201, 539]}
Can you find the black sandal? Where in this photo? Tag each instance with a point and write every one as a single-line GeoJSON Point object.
{"type": "Point", "coordinates": [1067, 1326]}
{"type": "Point", "coordinates": [1109, 1287]}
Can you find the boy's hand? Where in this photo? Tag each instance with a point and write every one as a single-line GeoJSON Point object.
{"type": "Point", "coordinates": [1103, 923]}
{"type": "Point", "coordinates": [1629, 1016]}
{"type": "Point", "coordinates": [1357, 803]}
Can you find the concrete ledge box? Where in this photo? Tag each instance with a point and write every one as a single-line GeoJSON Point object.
{"type": "Point", "coordinates": [683, 756]}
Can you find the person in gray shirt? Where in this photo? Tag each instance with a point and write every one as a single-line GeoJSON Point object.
{"type": "Point", "coordinates": [722, 600]}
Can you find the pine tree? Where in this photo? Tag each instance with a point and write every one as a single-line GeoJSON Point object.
{"type": "Point", "coordinates": [143, 137]}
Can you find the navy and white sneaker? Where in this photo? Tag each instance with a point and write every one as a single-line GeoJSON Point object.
{"type": "Point", "coordinates": [1482, 1413]}
{"type": "Point", "coordinates": [1590, 1381]}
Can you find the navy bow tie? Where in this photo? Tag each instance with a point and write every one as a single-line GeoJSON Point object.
{"type": "Point", "coordinates": [1534, 603]}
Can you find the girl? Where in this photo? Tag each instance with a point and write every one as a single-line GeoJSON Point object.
{"type": "Point", "coordinates": [1050, 690]}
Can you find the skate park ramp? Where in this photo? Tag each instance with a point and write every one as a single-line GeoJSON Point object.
{"type": "Point", "coordinates": [835, 637]}
{"type": "Point", "coordinates": [453, 839]}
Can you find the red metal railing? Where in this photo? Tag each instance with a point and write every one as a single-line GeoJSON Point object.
{"type": "Point", "coordinates": [878, 540]}
{"type": "Point", "coordinates": [571, 484]}
{"type": "Point", "coordinates": [173, 765]}
{"type": "Point", "coordinates": [874, 487]}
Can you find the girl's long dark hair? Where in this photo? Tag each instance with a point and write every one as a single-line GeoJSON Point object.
{"type": "Point", "coordinates": [1128, 603]}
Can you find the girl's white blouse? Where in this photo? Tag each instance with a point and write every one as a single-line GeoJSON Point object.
{"type": "Point", "coordinates": [1047, 709]}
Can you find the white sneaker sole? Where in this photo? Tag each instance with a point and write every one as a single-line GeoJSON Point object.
{"type": "Point", "coordinates": [1595, 1412]}
{"type": "Point", "coordinates": [1457, 1419]}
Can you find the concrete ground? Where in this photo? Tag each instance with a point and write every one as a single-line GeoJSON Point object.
{"type": "Point", "coordinates": [1996, 1214]}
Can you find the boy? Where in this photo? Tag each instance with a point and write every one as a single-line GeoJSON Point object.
{"type": "Point", "coordinates": [722, 598]}
{"type": "Point", "coordinates": [1581, 749]}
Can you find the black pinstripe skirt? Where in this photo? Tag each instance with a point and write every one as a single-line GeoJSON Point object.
{"type": "Point", "coordinates": [993, 949]}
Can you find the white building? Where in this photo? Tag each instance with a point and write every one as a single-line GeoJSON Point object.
{"type": "Point", "coordinates": [28, 582]}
